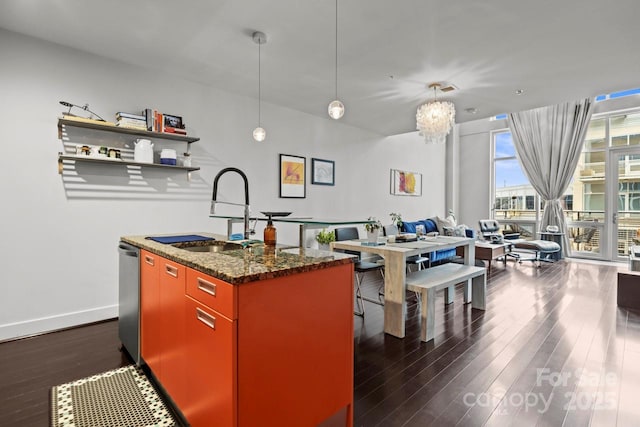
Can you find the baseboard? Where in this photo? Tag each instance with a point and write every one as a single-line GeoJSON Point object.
{"type": "Point", "coordinates": [27, 328]}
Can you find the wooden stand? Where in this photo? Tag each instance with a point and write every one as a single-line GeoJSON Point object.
{"type": "Point", "coordinates": [629, 290]}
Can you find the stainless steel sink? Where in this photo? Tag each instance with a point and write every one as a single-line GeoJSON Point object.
{"type": "Point", "coordinates": [214, 246]}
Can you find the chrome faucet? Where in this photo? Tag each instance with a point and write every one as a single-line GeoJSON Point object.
{"type": "Point", "coordinates": [246, 197]}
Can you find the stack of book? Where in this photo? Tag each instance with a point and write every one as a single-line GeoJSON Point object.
{"type": "Point", "coordinates": [131, 121]}
{"type": "Point", "coordinates": [160, 122]}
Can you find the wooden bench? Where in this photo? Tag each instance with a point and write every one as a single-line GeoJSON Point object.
{"type": "Point", "coordinates": [427, 282]}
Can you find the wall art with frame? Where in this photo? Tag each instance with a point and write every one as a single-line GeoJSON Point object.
{"type": "Point", "coordinates": [405, 183]}
{"type": "Point", "coordinates": [323, 172]}
{"type": "Point", "coordinates": [292, 176]}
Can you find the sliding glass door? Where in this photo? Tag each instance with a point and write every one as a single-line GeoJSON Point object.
{"type": "Point", "coordinates": [625, 217]}
{"type": "Point", "coordinates": [586, 214]}
{"type": "Point", "coordinates": [605, 218]}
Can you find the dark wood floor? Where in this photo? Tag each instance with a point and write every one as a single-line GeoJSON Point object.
{"type": "Point", "coordinates": [551, 349]}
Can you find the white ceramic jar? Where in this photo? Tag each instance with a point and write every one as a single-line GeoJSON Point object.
{"type": "Point", "coordinates": [143, 151]}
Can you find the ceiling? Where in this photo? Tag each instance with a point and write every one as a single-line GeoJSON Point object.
{"type": "Point", "coordinates": [388, 51]}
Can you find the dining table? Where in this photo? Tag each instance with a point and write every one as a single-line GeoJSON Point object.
{"type": "Point", "coordinates": [395, 255]}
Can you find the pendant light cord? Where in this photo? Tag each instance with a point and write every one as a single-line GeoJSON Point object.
{"type": "Point", "coordinates": [259, 85]}
{"type": "Point", "coordinates": [336, 76]}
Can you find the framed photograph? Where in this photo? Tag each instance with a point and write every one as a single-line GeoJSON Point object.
{"type": "Point", "coordinates": [405, 183]}
{"type": "Point", "coordinates": [173, 121]}
{"type": "Point", "coordinates": [323, 172]}
{"type": "Point", "coordinates": [292, 176]}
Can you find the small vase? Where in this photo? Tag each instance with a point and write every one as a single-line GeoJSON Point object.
{"type": "Point", "coordinates": [323, 246]}
{"type": "Point", "coordinates": [372, 236]}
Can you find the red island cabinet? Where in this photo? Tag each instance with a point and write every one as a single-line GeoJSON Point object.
{"type": "Point", "coordinates": [150, 313]}
{"type": "Point", "coordinates": [173, 358]}
{"type": "Point", "coordinates": [275, 352]}
{"type": "Point", "coordinates": [162, 322]}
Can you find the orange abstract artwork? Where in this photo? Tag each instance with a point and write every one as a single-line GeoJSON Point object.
{"type": "Point", "coordinates": [292, 173]}
{"type": "Point", "coordinates": [404, 183]}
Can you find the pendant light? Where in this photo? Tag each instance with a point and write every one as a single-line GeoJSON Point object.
{"type": "Point", "coordinates": [336, 108]}
{"type": "Point", "coordinates": [435, 119]}
{"type": "Point", "coordinates": [259, 134]}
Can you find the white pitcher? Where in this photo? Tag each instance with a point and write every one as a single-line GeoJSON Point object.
{"type": "Point", "coordinates": [143, 151]}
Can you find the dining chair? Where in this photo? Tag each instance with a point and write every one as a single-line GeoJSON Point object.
{"type": "Point", "coordinates": [360, 267]}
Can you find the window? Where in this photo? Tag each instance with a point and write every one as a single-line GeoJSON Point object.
{"type": "Point", "coordinates": [514, 196]}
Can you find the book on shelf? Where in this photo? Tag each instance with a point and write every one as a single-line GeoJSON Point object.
{"type": "Point", "coordinates": [133, 122]}
{"type": "Point", "coordinates": [169, 129]}
{"type": "Point", "coordinates": [158, 122]}
{"type": "Point", "coordinates": [148, 114]}
{"type": "Point", "coordinates": [122, 115]}
{"type": "Point", "coordinates": [132, 126]}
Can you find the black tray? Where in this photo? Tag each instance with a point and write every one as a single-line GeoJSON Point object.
{"type": "Point", "coordinates": [274, 214]}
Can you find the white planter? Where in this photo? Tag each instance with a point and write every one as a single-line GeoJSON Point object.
{"type": "Point", "coordinates": [323, 246]}
{"type": "Point", "coordinates": [372, 236]}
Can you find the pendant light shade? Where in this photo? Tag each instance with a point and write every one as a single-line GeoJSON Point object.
{"type": "Point", "coordinates": [259, 134]}
{"type": "Point", "coordinates": [336, 108]}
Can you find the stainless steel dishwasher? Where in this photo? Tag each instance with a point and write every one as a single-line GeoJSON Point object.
{"type": "Point", "coordinates": [129, 299]}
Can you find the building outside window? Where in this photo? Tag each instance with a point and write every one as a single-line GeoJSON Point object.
{"type": "Point", "coordinates": [514, 198]}
{"type": "Point", "coordinates": [517, 206]}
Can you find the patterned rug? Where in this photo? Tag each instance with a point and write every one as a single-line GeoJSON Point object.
{"type": "Point", "coordinates": [123, 397]}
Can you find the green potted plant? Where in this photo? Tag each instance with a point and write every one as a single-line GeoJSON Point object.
{"type": "Point", "coordinates": [396, 219]}
{"type": "Point", "coordinates": [324, 237]}
{"type": "Point", "coordinates": [373, 229]}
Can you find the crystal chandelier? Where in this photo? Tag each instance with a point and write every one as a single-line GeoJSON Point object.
{"type": "Point", "coordinates": [435, 119]}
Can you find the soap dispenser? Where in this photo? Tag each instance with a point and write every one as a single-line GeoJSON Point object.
{"type": "Point", "coordinates": [270, 233]}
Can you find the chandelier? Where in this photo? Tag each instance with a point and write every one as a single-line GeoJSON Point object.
{"type": "Point", "coordinates": [435, 119]}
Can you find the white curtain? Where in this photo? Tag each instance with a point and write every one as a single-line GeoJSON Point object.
{"type": "Point", "coordinates": [548, 144]}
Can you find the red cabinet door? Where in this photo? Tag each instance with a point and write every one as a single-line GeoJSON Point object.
{"type": "Point", "coordinates": [211, 370]}
{"type": "Point", "coordinates": [172, 355]}
{"type": "Point", "coordinates": [214, 293]}
{"type": "Point", "coordinates": [150, 314]}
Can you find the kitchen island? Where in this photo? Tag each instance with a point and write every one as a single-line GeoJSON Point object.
{"type": "Point", "coordinates": [247, 337]}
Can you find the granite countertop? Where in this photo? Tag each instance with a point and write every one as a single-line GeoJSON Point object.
{"type": "Point", "coordinates": [237, 266]}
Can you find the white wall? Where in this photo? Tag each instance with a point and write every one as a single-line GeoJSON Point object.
{"type": "Point", "coordinates": [474, 170]}
{"type": "Point", "coordinates": [60, 232]}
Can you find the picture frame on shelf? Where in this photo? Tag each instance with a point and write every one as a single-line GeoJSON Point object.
{"type": "Point", "coordinates": [406, 183]}
{"type": "Point", "coordinates": [292, 176]}
{"type": "Point", "coordinates": [323, 172]}
{"type": "Point", "coordinates": [171, 121]}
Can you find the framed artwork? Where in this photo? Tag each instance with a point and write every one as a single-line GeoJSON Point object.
{"type": "Point", "coordinates": [173, 121]}
{"type": "Point", "coordinates": [323, 172]}
{"type": "Point", "coordinates": [405, 183]}
{"type": "Point", "coordinates": [292, 176]}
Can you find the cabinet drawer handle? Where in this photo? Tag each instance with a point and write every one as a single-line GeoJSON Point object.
{"type": "Point", "coordinates": [149, 260]}
{"type": "Point", "coordinates": [205, 318]}
{"type": "Point", "coordinates": [207, 287]}
{"type": "Point", "coordinates": [171, 270]}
